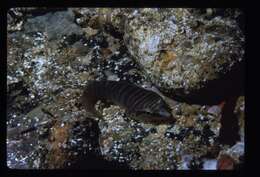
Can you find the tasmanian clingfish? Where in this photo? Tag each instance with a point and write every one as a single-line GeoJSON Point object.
{"type": "Point", "coordinates": [140, 104]}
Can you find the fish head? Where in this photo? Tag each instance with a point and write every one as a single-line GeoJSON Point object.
{"type": "Point", "coordinates": [162, 109]}
{"type": "Point", "coordinates": [160, 114]}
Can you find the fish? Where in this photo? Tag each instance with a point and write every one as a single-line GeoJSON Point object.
{"type": "Point", "coordinates": [140, 104]}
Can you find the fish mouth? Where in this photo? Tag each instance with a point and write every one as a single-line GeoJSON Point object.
{"type": "Point", "coordinates": [167, 114]}
{"type": "Point", "coordinates": [157, 119]}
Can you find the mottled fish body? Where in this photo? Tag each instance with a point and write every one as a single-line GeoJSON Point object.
{"type": "Point", "coordinates": [141, 104]}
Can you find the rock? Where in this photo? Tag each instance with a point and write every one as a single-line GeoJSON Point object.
{"type": "Point", "coordinates": [22, 149]}
{"type": "Point", "coordinates": [195, 164]}
{"type": "Point", "coordinates": [56, 156]}
{"type": "Point", "coordinates": [14, 22]}
{"type": "Point", "coordinates": [225, 162]}
{"type": "Point", "coordinates": [116, 136]}
{"type": "Point", "coordinates": [209, 165]}
{"type": "Point", "coordinates": [231, 158]}
{"type": "Point", "coordinates": [55, 25]}
{"type": "Point", "coordinates": [83, 15]}
{"type": "Point", "coordinates": [90, 31]}
{"type": "Point", "coordinates": [134, 143]}
{"type": "Point", "coordinates": [215, 110]}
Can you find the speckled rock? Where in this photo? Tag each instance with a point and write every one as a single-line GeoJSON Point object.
{"type": "Point", "coordinates": [83, 15]}
{"type": "Point", "coordinates": [231, 158]}
{"type": "Point", "coordinates": [56, 25]}
{"type": "Point", "coordinates": [37, 73]}
{"type": "Point", "coordinates": [148, 146]}
{"type": "Point", "coordinates": [181, 49]}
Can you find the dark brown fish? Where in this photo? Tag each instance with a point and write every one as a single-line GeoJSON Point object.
{"type": "Point", "coordinates": [141, 104]}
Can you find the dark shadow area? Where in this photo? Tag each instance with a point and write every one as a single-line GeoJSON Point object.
{"type": "Point", "coordinates": [215, 91]}
{"type": "Point", "coordinates": [92, 161]}
{"type": "Point", "coordinates": [228, 133]}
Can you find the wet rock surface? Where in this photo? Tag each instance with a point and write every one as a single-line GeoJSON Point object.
{"type": "Point", "coordinates": [53, 54]}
